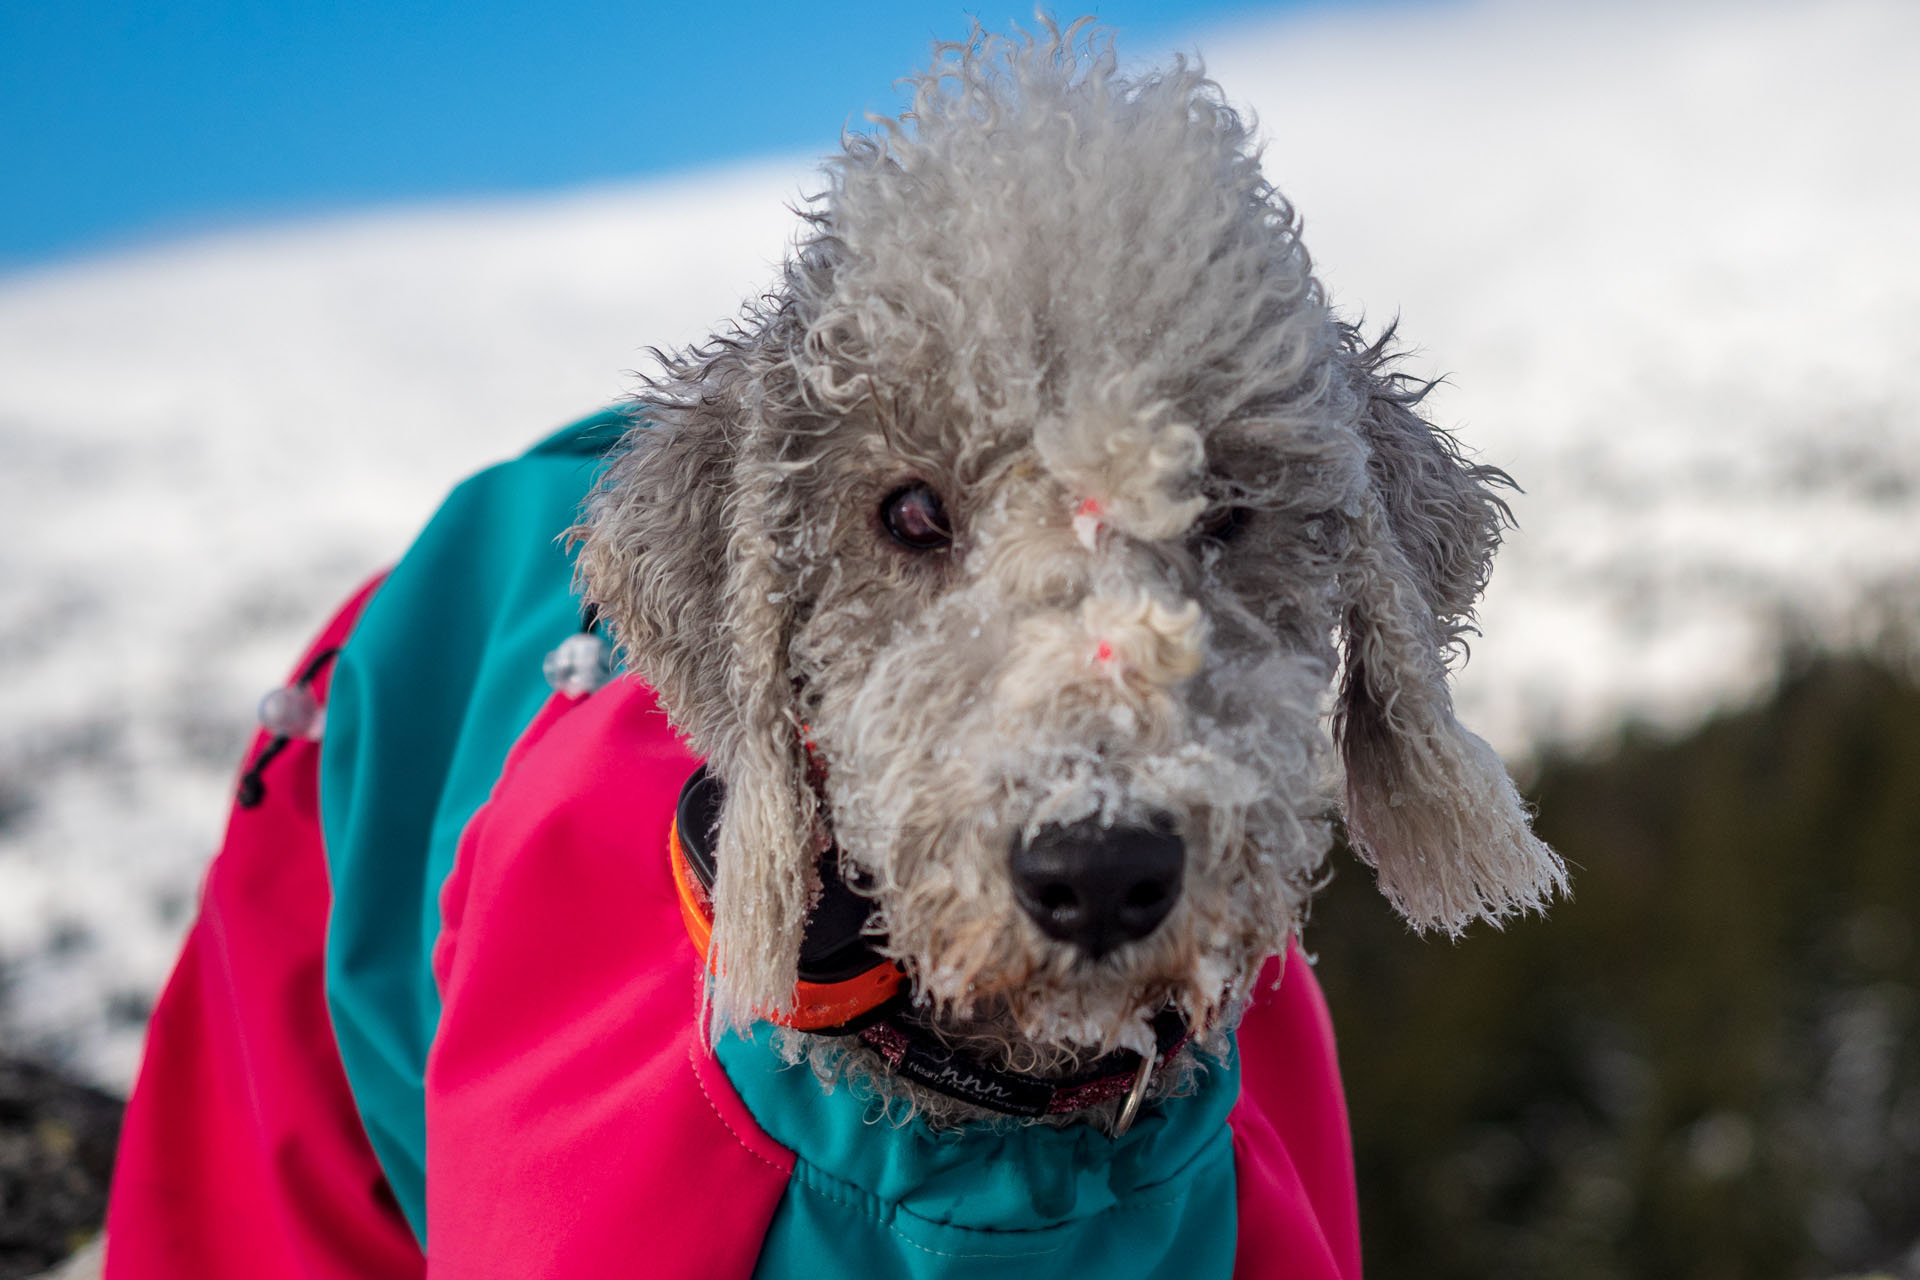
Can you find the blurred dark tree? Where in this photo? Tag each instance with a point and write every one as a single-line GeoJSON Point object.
{"type": "Point", "coordinates": [1705, 1064]}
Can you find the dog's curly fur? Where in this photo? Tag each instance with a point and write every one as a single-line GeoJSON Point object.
{"type": "Point", "coordinates": [1048, 283]}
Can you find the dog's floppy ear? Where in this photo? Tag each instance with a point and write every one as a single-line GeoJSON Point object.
{"type": "Point", "coordinates": [676, 555]}
{"type": "Point", "coordinates": [1427, 802]}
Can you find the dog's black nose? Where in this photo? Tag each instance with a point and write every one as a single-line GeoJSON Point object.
{"type": "Point", "coordinates": [1099, 887]}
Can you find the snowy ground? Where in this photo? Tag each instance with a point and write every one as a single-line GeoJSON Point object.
{"type": "Point", "coordinates": [1668, 254]}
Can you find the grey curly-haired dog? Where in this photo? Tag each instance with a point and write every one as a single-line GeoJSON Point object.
{"type": "Point", "coordinates": [1028, 567]}
{"type": "Point", "coordinates": [1045, 540]}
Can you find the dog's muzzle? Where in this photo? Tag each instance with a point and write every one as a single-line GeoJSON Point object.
{"type": "Point", "coordinates": [847, 988]}
{"type": "Point", "coordinates": [1097, 887]}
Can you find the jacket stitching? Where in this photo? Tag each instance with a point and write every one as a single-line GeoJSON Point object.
{"type": "Point", "coordinates": [693, 1065]}
{"type": "Point", "coordinates": [803, 1169]}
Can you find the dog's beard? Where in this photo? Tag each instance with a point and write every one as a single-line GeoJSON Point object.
{"type": "Point", "coordinates": [1251, 812]}
{"type": "Point", "coordinates": [970, 731]}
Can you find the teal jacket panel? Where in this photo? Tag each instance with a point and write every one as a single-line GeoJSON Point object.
{"type": "Point", "coordinates": [438, 680]}
{"type": "Point", "coordinates": [907, 1202]}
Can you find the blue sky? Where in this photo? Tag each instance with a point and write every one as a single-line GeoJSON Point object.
{"type": "Point", "coordinates": [124, 120]}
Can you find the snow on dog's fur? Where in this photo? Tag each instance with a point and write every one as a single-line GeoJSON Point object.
{"type": "Point", "coordinates": [1179, 491]}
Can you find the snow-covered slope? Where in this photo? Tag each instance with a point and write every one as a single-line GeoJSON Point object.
{"type": "Point", "coordinates": [1667, 253]}
{"type": "Point", "coordinates": [1669, 256]}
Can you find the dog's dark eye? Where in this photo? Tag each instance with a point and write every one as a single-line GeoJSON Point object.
{"type": "Point", "coordinates": [915, 518]}
{"type": "Point", "coordinates": [1224, 523]}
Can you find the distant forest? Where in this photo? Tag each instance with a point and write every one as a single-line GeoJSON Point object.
{"type": "Point", "coordinates": [1705, 1064]}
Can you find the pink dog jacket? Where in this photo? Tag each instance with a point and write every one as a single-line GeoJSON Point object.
{"type": "Point", "coordinates": [574, 1122]}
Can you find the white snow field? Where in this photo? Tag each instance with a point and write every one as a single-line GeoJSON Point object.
{"type": "Point", "coordinates": [1668, 254]}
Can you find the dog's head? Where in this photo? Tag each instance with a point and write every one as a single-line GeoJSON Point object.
{"type": "Point", "coordinates": [1046, 511]}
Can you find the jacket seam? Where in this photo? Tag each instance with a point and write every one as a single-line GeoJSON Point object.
{"type": "Point", "coordinates": [807, 1173]}
{"type": "Point", "coordinates": [693, 1065]}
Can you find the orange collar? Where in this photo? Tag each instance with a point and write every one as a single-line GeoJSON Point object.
{"type": "Point", "coordinates": [829, 1007]}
